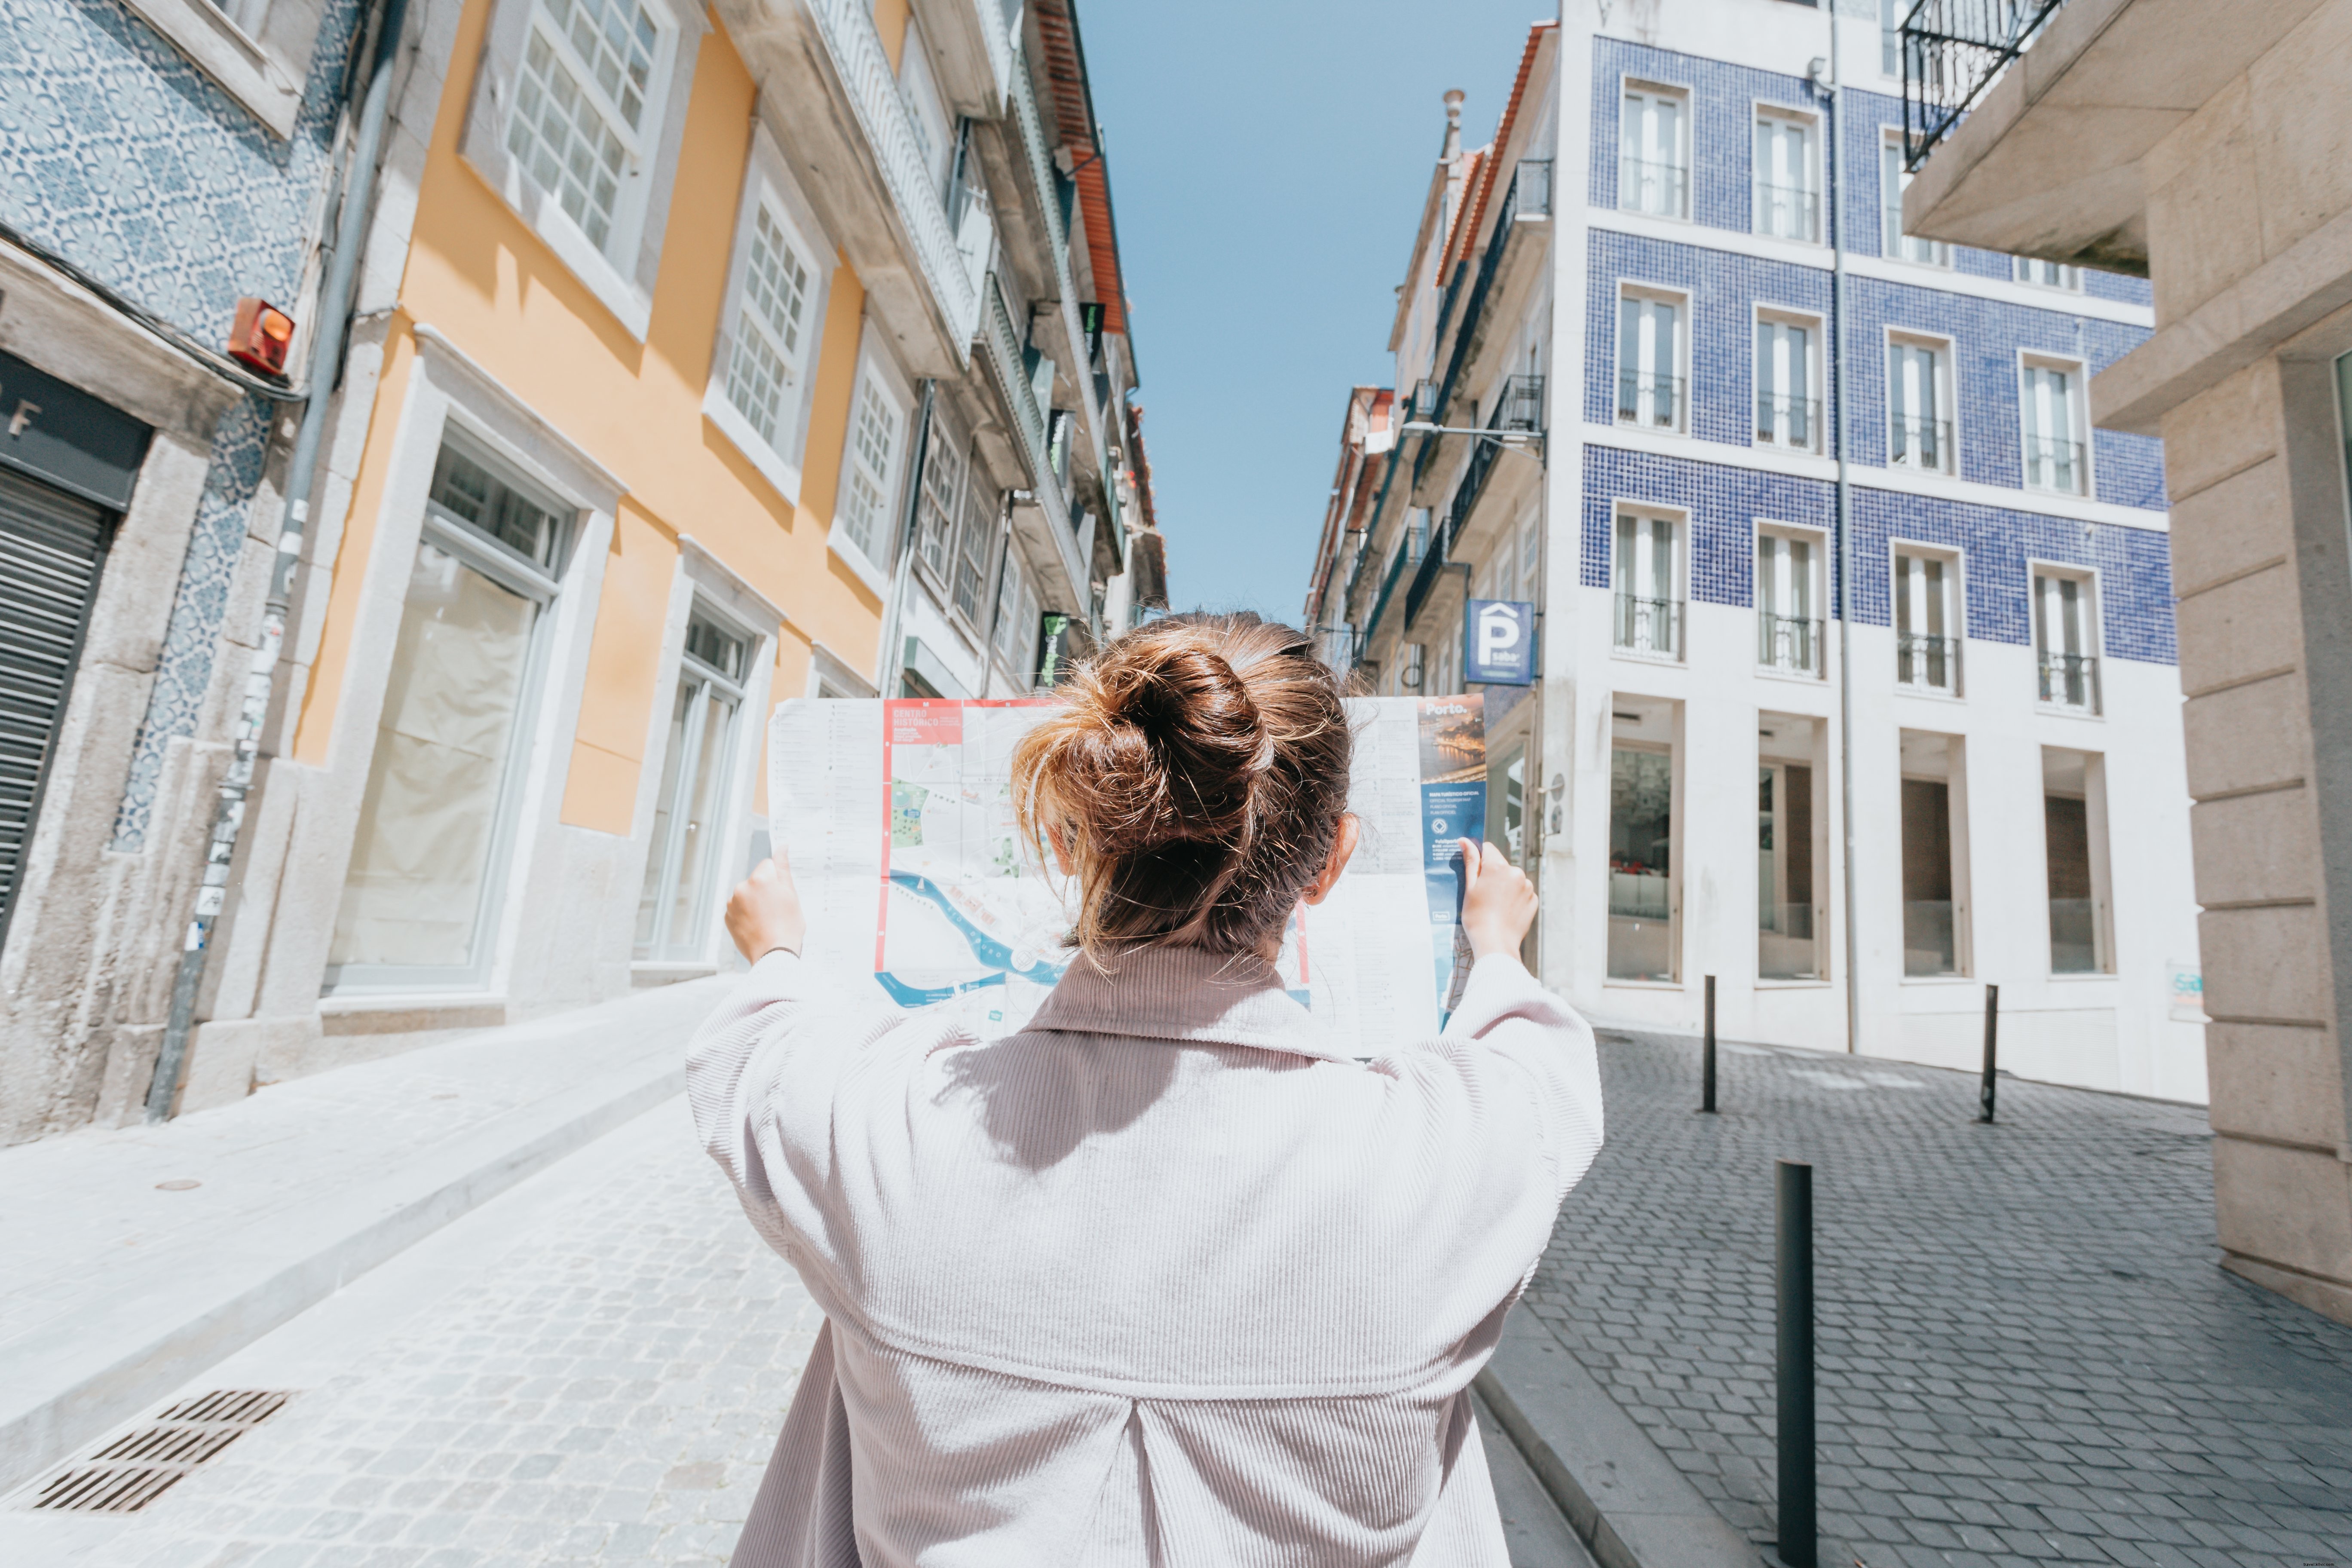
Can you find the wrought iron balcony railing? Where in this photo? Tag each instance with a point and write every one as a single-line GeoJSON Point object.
{"type": "Point", "coordinates": [2071, 680]}
{"type": "Point", "coordinates": [2052, 465]}
{"type": "Point", "coordinates": [1519, 405]}
{"type": "Point", "coordinates": [1649, 626]}
{"type": "Point", "coordinates": [1655, 400]}
{"type": "Point", "coordinates": [1647, 185]}
{"type": "Point", "coordinates": [1931, 664]}
{"type": "Point", "coordinates": [1791, 422]}
{"type": "Point", "coordinates": [1919, 443]}
{"type": "Point", "coordinates": [1788, 212]}
{"type": "Point", "coordinates": [1953, 51]}
{"type": "Point", "coordinates": [1788, 644]}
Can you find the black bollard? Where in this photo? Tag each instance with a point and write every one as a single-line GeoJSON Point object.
{"type": "Point", "coordinates": [1706, 1055]}
{"type": "Point", "coordinates": [1793, 1281]}
{"type": "Point", "coordinates": [1992, 1033]}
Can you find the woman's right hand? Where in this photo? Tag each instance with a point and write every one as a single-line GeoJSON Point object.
{"type": "Point", "coordinates": [765, 912]}
{"type": "Point", "coordinates": [1499, 902]}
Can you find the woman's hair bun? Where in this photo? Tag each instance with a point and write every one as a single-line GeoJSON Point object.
{"type": "Point", "coordinates": [1195, 777]}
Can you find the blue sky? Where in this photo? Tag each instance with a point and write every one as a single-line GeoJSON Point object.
{"type": "Point", "coordinates": [1267, 164]}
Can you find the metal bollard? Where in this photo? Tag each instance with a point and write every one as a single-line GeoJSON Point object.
{"type": "Point", "coordinates": [1707, 1057]}
{"type": "Point", "coordinates": [1992, 1035]}
{"type": "Point", "coordinates": [1793, 1282]}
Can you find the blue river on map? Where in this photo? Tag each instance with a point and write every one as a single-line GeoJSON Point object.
{"type": "Point", "coordinates": [985, 948]}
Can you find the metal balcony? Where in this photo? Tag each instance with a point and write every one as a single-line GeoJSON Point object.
{"type": "Point", "coordinates": [2052, 465]}
{"type": "Point", "coordinates": [1519, 405]}
{"type": "Point", "coordinates": [1649, 626]}
{"type": "Point", "coordinates": [1926, 663]}
{"type": "Point", "coordinates": [1788, 212]}
{"type": "Point", "coordinates": [2071, 682]}
{"type": "Point", "coordinates": [1791, 422]}
{"type": "Point", "coordinates": [1952, 51]}
{"type": "Point", "coordinates": [1654, 400]}
{"type": "Point", "coordinates": [1000, 344]}
{"type": "Point", "coordinates": [1788, 644]}
{"type": "Point", "coordinates": [1919, 444]}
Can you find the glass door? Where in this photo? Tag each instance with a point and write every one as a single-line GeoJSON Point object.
{"type": "Point", "coordinates": [689, 811]}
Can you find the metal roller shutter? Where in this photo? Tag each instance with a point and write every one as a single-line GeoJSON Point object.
{"type": "Point", "coordinates": [51, 547]}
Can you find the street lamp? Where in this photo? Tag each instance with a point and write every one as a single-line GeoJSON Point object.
{"type": "Point", "coordinates": [1531, 442]}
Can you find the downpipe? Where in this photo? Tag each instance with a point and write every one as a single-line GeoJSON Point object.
{"type": "Point", "coordinates": [326, 370]}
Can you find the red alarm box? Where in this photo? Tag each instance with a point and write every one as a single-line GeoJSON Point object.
{"type": "Point", "coordinates": [262, 335]}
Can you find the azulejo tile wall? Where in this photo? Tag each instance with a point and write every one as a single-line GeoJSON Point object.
{"type": "Point", "coordinates": [119, 154]}
{"type": "Point", "coordinates": [1997, 545]}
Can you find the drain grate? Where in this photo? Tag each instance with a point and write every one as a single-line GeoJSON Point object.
{"type": "Point", "coordinates": [138, 1467]}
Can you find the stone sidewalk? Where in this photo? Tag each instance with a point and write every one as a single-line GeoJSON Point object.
{"type": "Point", "coordinates": [2027, 1351]}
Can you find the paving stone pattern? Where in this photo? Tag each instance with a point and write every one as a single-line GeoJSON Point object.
{"type": "Point", "coordinates": [2027, 1351]}
{"type": "Point", "coordinates": [607, 1394]}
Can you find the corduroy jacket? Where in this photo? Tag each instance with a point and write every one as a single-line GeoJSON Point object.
{"type": "Point", "coordinates": [1163, 1278]}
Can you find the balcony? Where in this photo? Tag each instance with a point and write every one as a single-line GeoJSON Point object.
{"type": "Point", "coordinates": [1424, 578]}
{"type": "Point", "coordinates": [1952, 52]}
{"type": "Point", "coordinates": [2055, 465]}
{"type": "Point", "coordinates": [1919, 444]}
{"type": "Point", "coordinates": [1927, 663]}
{"type": "Point", "coordinates": [1644, 185]}
{"type": "Point", "coordinates": [1652, 626]}
{"type": "Point", "coordinates": [1789, 211]}
{"type": "Point", "coordinates": [1001, 345]}
{"type": "Point", "coordinates": [1655, 401]}
{"type": "Point", "coordinates": [1037, 153]}
{"type": "Point", "coordinates": [1519, 405]}
{"type": "Point", "coordinates": [1791, 422]}
{"type": "Point", "coordinates": [1408, 555]}
{"type": "Point", "coordinates": [1530, 184]}
{"type": "Point", "coordinates": [1790, 645]}
{"type": "Point", "coordinates": [2070, 681]}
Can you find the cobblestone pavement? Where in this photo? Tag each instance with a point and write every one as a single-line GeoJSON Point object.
{"type": "Point", "coordinates": [2027, 1351]}
{"type": "Point", "coordinates": [605, 1390]}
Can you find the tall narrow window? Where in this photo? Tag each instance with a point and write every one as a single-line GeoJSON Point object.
{"type": "Point", "coordinates": [2051, 427]}
{"type": "Point", "coordinates": [1649, 601]}
{"type": "Point", "coordinates": [1531, 557]}
{"type": "Point", "coordinates": [1890, 36]}
{"type": "Point", "coordinates": [943, 493]}
{"type": "Point", "coordinates": [771, 331]}
{"type": "Point", "coordinates": [925, 110]}
{"type": "Point", "coordinates": [585, 109]}
{"type": "Point", "coordinates": [872, 489]}
{"type": "Point", "coordinates": [1785, 846]}
{"type": "Point", "coordinates": [976, 540]}
{"type": "Point", "coordinates": [1918, 428]}
{"type": "Point", "coordinates": [1894, 179]}
{"type": "Point", "coordinates": [2047, 274]}
{"type": "Point", "coordinates": [1926, 619]}
{"type": "Point", "coordinates": [1788, 631]}
{"type": "Point", "coordinates": [1010, 586]}
{"type": "Point", "coordinates": [422, 892]}
{"type": "Point", "coordinates": [681, 886]}
{"type": "Point", "coordinates": [1787, 198]}
{"type": "Point", "coordinates": [2073, 832]}
{"type": "Point", "coordinates": [1788, 414]}
{"type": "Point", "coordinates": [1649, 361]}
{"type": "Point", "coordinates": [1932, 908]}
{"type": "Point", "coordinates": [2064, 642]}
{"type": "Point", "coordinates": [1653, 153]}
{"type": "Point", "coordinates": [1641, 862]}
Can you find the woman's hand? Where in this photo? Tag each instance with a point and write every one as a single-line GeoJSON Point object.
{"type": "Point", "coordinates": [765, 912]}
{"type": "Point", "coordinates": [1499, 902]}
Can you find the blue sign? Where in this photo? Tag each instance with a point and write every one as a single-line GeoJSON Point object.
{"type": "Point", "coordinates": [1498, 642]}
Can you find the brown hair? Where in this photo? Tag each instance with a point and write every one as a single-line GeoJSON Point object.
{"type": "Point", "coordinates": [1197, 776]}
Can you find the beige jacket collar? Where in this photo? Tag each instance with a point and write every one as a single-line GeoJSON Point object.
{"type": "Point", "coordinates": [1185, 994]}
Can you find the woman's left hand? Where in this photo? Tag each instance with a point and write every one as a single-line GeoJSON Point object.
{"type": "Point", "coordinates": [765, 912]}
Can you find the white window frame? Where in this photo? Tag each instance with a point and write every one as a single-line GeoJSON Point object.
{"type": "Point", "coordinates": [975, 542]}
{"type": "Point", "coordinates": [736, 690]}
{"type": "Point", "coordinates": [2042, 579]}
{"type": "Point", "coordinates": [2069, 280]}
{"type": "Point", "coordinates": [1678, 378]}
{"type": "Point", "coordinates": [1809, 187]}
{"type": "Point", "coordinates": [1680, 161]}
{"type": "Point", "coordinates": [1939, 254]}
{"type": "Point", "coordinates": [1627, 627]}
{"type": "Point", "coordinates": [2078, 379]}
{"type": "Point", "coordinates": [621, 272]}
{"type": "Point", "coordinates": [1954, 609]}
{"type": "Point", "coordinates": [1768, 645]}
{"type": "Point", "coordinates": [1813, 327]}
{"type": "Point", "coordinates": [1015, 587]}
{"type": "Point", "coordinates": [877, 378]}
{"type": "Point", "coordinates": [768, 187]}
{"type": "Point", "coordinates": [934, 501]}
{"type": "Point", "coordinates": [259, 51]}
{"type": "Point", "coordinates": [927, 107]}
{"type": "Point", "coordinates": [1947, 390]}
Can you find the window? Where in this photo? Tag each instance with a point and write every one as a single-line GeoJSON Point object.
{"type": "Point", "coordinates": [1788, 414]}
{"type": "Point", "coordinates": [871, 495]}
{"type": "Point", "coordinates": [1653, 153]}
{"type": "Point", "coordinates": [1890, 36]}
{"type": "Point", "coordinates": [974, 542]}
{"type": "Point", "coordinates": [769, 331]}
{"type": "Point", "coordinates": [585, 107]}
{"type": "Point", "coordinates": [422, 892]}
{"type": "Point", "coordinates": [1788, 193]}
{"type": "Point", "coordinates": [1894, 179]}
{"type": "Point", "coordinates": [1018, 639]}
{"type": "Point", "coordinates": [2047, 274]}
{"type": "Point", "coordinates": [2064, 640]}
{"type": "Point", "coordinates": [1927, 620]}
{"type": "Point", "coordinates": [1640, 846]}
{"type": "Point", "coordinates": [2050, 415]}
{"type": "Point", "coordinates": [1644, 574]}
{"type": "Point", "coordinates": [2074, 844]}
{"type": "Point", "coordinates": [1649, 361]}
{"type": "Point", "coordinates": [1934, 912]}
{"type": "Point", "coordinates": [1918, 426]}
{"type": "Point", "coordinates": [935, 136]}
{"type": "Point", "coordinates": [1531, 557]}
{"type": "Point", "coordinates": [259, 50]}
{"type": "Point", "coordinates": [1787, 843]}
{"type": "Point", "coordinates": [681, 885]}
{"type": "Point", "coordinates": [1788, 630]}
{"type": "Point", "coordinates": [942, 492]}
{"type": "Point", "coordinates": [1010, 586]}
